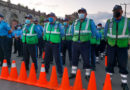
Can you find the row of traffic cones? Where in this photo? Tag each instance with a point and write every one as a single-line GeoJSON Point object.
{"type": "Point", "coordinates": [53, 83]}
{"type": "Point", "coordinates": [22, 78]}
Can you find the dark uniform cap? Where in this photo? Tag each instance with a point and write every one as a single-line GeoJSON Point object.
{"type": "Point", "coordinates": [35, 20]}
{"type": "Point", "coordinates": [117, 7]}
{"type": "Point", "coordinates": [51, 15]}
{"type": "Point", "coordinates": [82, 10]}
{"type": "Point", "coordinates": [29, 16]}
{"type": "Point", "coordinates": [99, 24]}
{"type": "Point", "coordinates": [66, 19]}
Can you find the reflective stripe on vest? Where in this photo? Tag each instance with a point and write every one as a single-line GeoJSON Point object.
{"type": "Point", "coordinates": [53, 32]}
{"type": "Point", "coordinates": [68, 34]}
{"type": "Point", "coordinates": [82, 31]}
{"type": "Point", "coordinates": [119, 36]}
{"type": "Point", "coordinates": [30, 34]}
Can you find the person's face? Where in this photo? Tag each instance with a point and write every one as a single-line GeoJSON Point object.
{"type": "Point", "coordinates": [19, 27]}
{"type": "Point", "coordinates": [99, 26]}
{"type": "Point", "coordinates": [82, 15]}
{"type": "Point", "coordinates": [117, 14]}
{"type": "Point", "coordinates": [36, 22]}
{"type": "Point", "coordinates": [28, 20]}
{"type": "Point", "coordinates": [1, 18]}
{"type": "Point", "coordinates": [14, 23]}
{"type": "Point", "coordinates": [66, 23]}
{"type": "Point", "coordinates": [52, 19]}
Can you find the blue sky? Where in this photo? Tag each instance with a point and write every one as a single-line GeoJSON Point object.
{"type": "Point", "coordinates": [97, 9]}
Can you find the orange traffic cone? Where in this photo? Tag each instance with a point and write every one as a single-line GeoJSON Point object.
{"type": "Point", "coordinates": [4, 71]}
{"type": "Point", "coordinates": [32, 79]}
{"type": "Point", "coordinates": [42, 82]}
{"type": "Point", "coordinates": [53, 83]}
{"type": "Point", "coordinates": [43, 55]}
{"type": "Point", "coordinates": [105, 61]}
{"type": "Point", "coordinates": [65, 85]}
{"type": "Point", "coordinates": [78, 82]}
{"type": "Point", "coordinates": [13, 73]}
{"type": "Point", "coordinates": [92, 82]}
{"type": "Point", "coordinates": [107, 84]}
{"type": "Point", "coordinates": [23, 74]}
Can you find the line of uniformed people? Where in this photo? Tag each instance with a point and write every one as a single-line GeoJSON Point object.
{"type": "Point", "coordinates": [83, 36]}
{"type": "Point", "coordinates": [75, 38]}
{"type": "Point", "coordinates": [28, 35]}
{"type": "Point", "coordinates": [80, 38]}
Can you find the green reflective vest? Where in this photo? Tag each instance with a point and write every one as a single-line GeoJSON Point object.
{"type": "Point", "coordinates": [102, 33]}
{"type": "Point", "coordinates": [120, 37]}
{"type": "Point", "coordinates": [82, 32]}
{"type": "Point", "coordinates": [29, 36]}
{"type": "Point", "coordinates": [52, 33]}
{"type": "Point", "coordinates": [68, 34]}
{"type": "Point", "coordinates": [93, 40]}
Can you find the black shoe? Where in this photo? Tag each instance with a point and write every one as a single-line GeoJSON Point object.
{"type": "Point", "coordinates": [87, 78]}
{"type": "Point", "coordinates": [124, 86]}
{"type": "Point", "coordinates": [0, 64]}
{"type": "Point", "coordinates": [97, 62]}
{"type": "Point", "coordinates": [43, 62]}
{"type": "Point", "coordinates": [72, 76]}
{"type": "Point", "coordinates": [47, 71]}
{"type": "Point", "coordinates": [27, 69]}
{"type": "Point", "coordinates": [9, 65]}
{"type": "Point", "coordinates": [14, 52]}
{"type": "Point", "coordinates": [93, 68]}
{"type": "Point", "coordinates": [102, 58]}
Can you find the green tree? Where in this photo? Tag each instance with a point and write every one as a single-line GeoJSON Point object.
{"type": "Point", "coordinates": [41, 20]}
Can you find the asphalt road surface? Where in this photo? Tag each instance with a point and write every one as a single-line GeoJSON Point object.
{"type": "Point", "coordinates": [100, 77]}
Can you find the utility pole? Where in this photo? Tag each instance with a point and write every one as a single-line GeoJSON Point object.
{"type": "Point", "coordinates": [125, 7]}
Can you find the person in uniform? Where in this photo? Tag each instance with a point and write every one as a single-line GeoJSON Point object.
{"type": "Point", "coordinates": [45, 21]}
{"type": "Point", "coordinates": [117, 31]}
{"type": "Point", "coordinates": [40, 39]}
{"type": "Point", "coordinates": [94, 43]}
{"type": "Point", "coordinates": [14, 28]}
{"type": "Point", "coordinates": [100, 47]}
{"type": "Point", "coordinates": [17, 34]}
{"type": "Point", "coordinates": [53, 32]}
{"type": "Point", "coordinates": [10, 42]}
{"type": "Point", "coordinates": [67, 41]}
{"type": "Point", "coordinates": [30, 41]}
{"type": "Point", "coordinates": [82, 29]}
{"type": "Point", "coordinates": [5, 29]}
